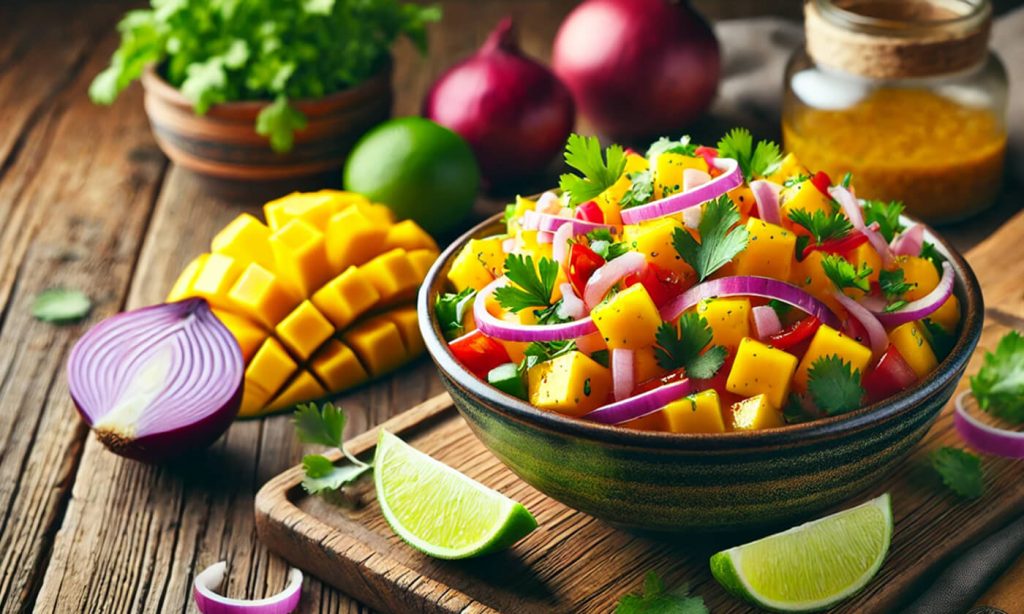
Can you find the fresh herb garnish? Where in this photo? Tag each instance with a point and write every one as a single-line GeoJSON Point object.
{"type": "Point", "coordinates": [960, 471]}
{"type": "Point", "coordinates": [656, 600]}
{"type": "Point", "coordinates": [604, 245]}
{"type": "Point", "coordinates": [845, 275]}
{"type": "Point", "coordinates": [720, 238]}
{"type": "Point", "coordinates": [939, 338]}
{"type": "Point", "coordinates": [533, 284]}
{"type": "Point", "coordinates": [929, 252]}
{"type": "Point", "coordinates": [834, 385]}
{"type": "Point", "coordinates": [601, 357]}
{"type": "Point", "coordinates": [795, 180]}
{"type": "Point", "coordinates": [450, 309]}
{"type": "Point", "coordinates": [823, 227]}
{"type": "Point", "coordinates": [510, 212]}
{"type": "Point", "coordinates": [754, 160]}
{"type": "Point", "coordinates": [847, 180]}
{"type": "Point", "coordinates": [999, 384]}
{"type": "Point", "coordinates": [541, 351]}
{"type": "Point", "coordinates": [887, 214]}
{"type": "Point", "coordinates": [60, 306]}
{"type": "Point", "coordinates": [893, 287]}
{"type": "Point", "coordinates": [666, 145]}
{"type": "Point", "coordinates": [641, 189]}
{"type": "Point", "coordinates": [680, 348]}
{"type": "Point", "coordinates": [325, 426]}
{"type": "Point", "coordinates": [584, 154]}
{"type": "Point", "coordinates": [781, 309]}
{"type": "Point", "coordinates": [794, 412]}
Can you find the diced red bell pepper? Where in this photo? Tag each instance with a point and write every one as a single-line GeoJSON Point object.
{"type": "Point", "coordinates": [661, 284]}
{"type": "Point", "coordinates": [583, 261]}
{"type": "Point", "coordinates": [709, 154]}
{"type": "Point", "coordinates": [837, 246]}
{"type": "Point", "coordinates": [891, 375]}
{"type": "Point", "coordinates": [479, 353]}
{"type": "Point", "coordinates": [822, 181]}
{"type": "Point", "coordinates": [658, 382]}
{"type": "Point", "coordinates": [795, 334]}
{"type": "Point", "coordinates": [590, 211]}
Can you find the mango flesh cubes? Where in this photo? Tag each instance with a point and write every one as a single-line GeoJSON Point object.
{"type": "Point", "coordinates": [319, 298]}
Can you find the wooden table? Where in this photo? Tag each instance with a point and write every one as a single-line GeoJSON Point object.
{"type": "Point", "coordinates": [88, 201]}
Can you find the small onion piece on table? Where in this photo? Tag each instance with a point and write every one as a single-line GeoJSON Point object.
{"type": "Point", "coordinates": [764, 287]}
{"type": "Point", "coordinates": [924, 306]}
{"type": "Point", "coordinates": [766, 195]}
{"type": "Point", "coordinates": [853, 211]}
{"type": "Point", "coordinates": [623, 372]}
{"type": "Point", "coordinates": [158, 381]}
{"type": "Point", "coordinates": [510, 331]}
{"type": "Point", "coordinates": [610, 274]}
{"type": "Point", "coordinates": [766, 321]}
{"type": "Point", "coordinates": [909, 242]}
{"type": "Point", "coordinates": [984, 437]}
{"type": "Point", "coordinates": [730, 178]}
{"type": "Point", "coordinates": [640, 405]}
{"type": "Point", "coordinates": [877, 338]}
{"type": "Point", "coordinates": [210, 602]}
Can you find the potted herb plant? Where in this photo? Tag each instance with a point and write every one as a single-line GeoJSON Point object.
{"type": "Point", "coordinates": [261, 90]}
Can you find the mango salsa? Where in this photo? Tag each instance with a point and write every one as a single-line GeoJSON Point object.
{"type": "Point", "coordinates": [572, 384]}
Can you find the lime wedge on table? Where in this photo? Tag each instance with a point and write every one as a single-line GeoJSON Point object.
{"type": "Point", "coordinates": [440, 511]}
{"type": "Point", "coordinates": [812, 566]}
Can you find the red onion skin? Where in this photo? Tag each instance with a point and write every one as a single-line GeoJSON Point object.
{"type": "Point", "coordinates": [513, 111]}
{"type": "Point", "coordinates": [638, 68]}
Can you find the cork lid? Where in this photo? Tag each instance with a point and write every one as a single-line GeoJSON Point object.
{"type": "Point", "coordinates": [892, 39]}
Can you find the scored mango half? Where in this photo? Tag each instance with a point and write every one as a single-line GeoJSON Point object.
{"type": "Point", "coordinates": [320, 297]}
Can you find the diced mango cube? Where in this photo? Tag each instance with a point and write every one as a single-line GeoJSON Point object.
{"type": "Point", "coordinates": [789, 167]}
{"type": "Point", "coordinates": [769, 252]}
{"type": "Point", "coordinates": [699, 413]}
{"type": "Point", "coordinates": [393, 275]}
{"type": "Point", "coordinates": [337, 366]}
{"type": "Point", "coordinates": [181, 288]}
{"type": "Point", "coordinates": [345, 200]}
{"type": "Point", "coordinates": [353, 239]}
{"type": "Point", "coordinates": [378, 344]}
{"type": "Point", "coordinates": [422, 260]}
{"type": "Point", "coordinates": [572, 384]}
{"type": "Point", "coordinates": [865, 255]}
{"type": "Point", "coordinates": [743, 198]}
{"type": "Point", "coordinates": [467, 270]}
{"type": "Point", "coordinates": [654, 241]}
{"type": "Point", "coordinates": [246, 240]}
{"type": "Point", "coordinates": [827, 341]}
{"type": "Point", "coordinates": [810, 276]}
{"type": "Point", "coordinates": [259, 296]}
{"type": "Point", "coordinates": [668, 172]}
{"type": "Point", "coordinates": [646, 366]}
{"type": "Point", "coordinates": [346, 297]}
{"type": "Point", "coordinates": [909, 339]}
{"type": "Point", "coordinates": [921, 274]}
{"type": "Point", "coordinates": [408, 323]}
{"type": "Point", "coordinates": [729, 319]}
{"type": "Point", "coordinates": [761, 369]}
{"type": "Point", "coordinates": [804, 196]}
{"type": "Point", "coordinates": [948, 315]}
{"type": "Point", "coordinates": [215, 278]}
{"type": "Point", "coordinates": [270, 367]}
{"type": "Point", "coordinates": [304, 330]}
{"type": "Point", "coordinates": [628, 320]}
{"type": "Point", "coordinates": [408, 235]}
{"type": "Point", "coordinates": [754, 414]}
{"type": "Point", "coordinates": [249, 335]}
{"type": "Point", "coordinates": [300, 256]}
{"type": "Point", "coordinates": [314, 208]}
{"type": "Point", "coordinates": [302, 388]}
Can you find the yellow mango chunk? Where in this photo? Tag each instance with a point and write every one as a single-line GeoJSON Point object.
{"type": "Point", "coordinates": [215, 278]}
{"type": "Point", "coordinates": [353, 239]}
{"type": "Point", "coordinates": [865, 255]}
{"type": "Point", "coordinates": [948, 315]}
{"type": "Point", "coordinates": [608, 201]}
{"type": "Point", "coordinates": [346, 297]}
{"type": "Point", "coordinates": [467, 271]}
{"type": "Point", "coordinates": [408, 235]}
{"type": "Point", "coordinates": [729, 319]}
{"type": "Point", "coordinates": [301, 389]}
{"type": "Point", "coordinates": [754, 414]}
{"type": "Point", "coordinates": [654, 241]}
{"type": "Point", "coordinates": [668, 172]}
{"type": "Point", "coordinates": [421, 261]}
{"type": "Point", "coordinates": [304, 330]}
{"type": "Point", "coordinates": [314, 208]}
{"type": "Point", "coordinates": [270, 367]}
{"type": "Point", "coordinates": [827, 341]}
{"type": "Point", "coordinates": [646, 366]}
{"type": "Point", "coordinates": [408, 323]}
{"type": "Point", "coordinates": [254, 399]}
{"type": "Point", "coordinates": [789, 167]}
{"type": "Point", "coordinates": [378, 344]}
{"type": "Point", "coordinates": [761, 369]}
{"type": "Point", "coordinates": [259, 296]}
{"type": "Point", "coordinates": [769, 252]}
{"type": "Point", "coordinates": [629, 320]}
{"type": "Point", "coordinates": [809, 276]}
{"type": "Point", "coordinates": [393, 275]}
{"type": "Point", "coordinates": [920, 273]}
{"type": "Point", "coordinates": [806, 197]}
{"type": "Point", "coordinates": [700, 413]}
{"type": "Point", "coordinates": [344, 200]}
{"type": "Point", "coordinates": [300, 256]}
{"type": "Point", "coordinates": [572, 384]}
{"type": "Point", "coordinates": [909, 339]}
{"type": "Point", "coordinates": [337, 366]}
{"type": "Point", "coordinates": [246, 240]}
{"type": "Point", "coordinates": [249, 335]}
{"type": "Point", "coordinates": [743, 198]}
{"type": "Point", "coordinates": [181, 288]}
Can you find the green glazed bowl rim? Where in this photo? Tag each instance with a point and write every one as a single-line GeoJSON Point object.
{"type": "Point", "coordinates": [966, 289]}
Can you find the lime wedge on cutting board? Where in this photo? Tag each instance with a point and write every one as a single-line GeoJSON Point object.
{"type": "Point", "coordinates": [438, 510]}
{"type": "Point", "coordinates": [812, 566]}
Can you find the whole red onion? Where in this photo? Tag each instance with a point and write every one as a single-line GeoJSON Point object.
{"type": "Point", "coordinates": [638, 68]}
{"type": "Point", "coordinates": [515, 114]}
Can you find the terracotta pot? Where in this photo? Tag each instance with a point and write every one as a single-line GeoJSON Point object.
{"type": "Point", "coordinates": [223, 143]}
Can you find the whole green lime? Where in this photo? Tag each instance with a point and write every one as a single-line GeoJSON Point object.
{"type": "Point", "coordinates": [423, 171]}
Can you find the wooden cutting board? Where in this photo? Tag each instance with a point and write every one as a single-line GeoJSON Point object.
{"type": "Point", "coordinates": [575, 563]}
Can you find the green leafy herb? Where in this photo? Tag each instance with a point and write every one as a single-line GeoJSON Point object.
{"type": "Point", "coordinates": [641, 189]}
{"type": "Point", "coordinates": [721, 238]}
{"type": "Point", "coordinates": [834, 385]}
{"type": "Point", "coordinates": [533, 285]}
{"type": "Point", "coordinates": [542, 351]}
{"type": "Point", "coordinates": [61, 306]}
{"type": "Point", "coordinates": [847, 180]}
{"type": "Point", "coordinates": [823, 227]}
{"type": "Point", "coordinates": [754, 160]}
{"type": "Point", "coordinates": [601, 357]}
{"type": "Point", "coordinates": [656, 600]}
{"type": "Point", "coordinates": [325, 426]}
{"type": "Point", "coordinates": [929, 252]}
{"type": "Point", "coordinates": [941, 340]}
{"type": "Point", "coordinates": [887, 214]}
{"type": "Point", "coordinates": [893, 287]}
{"type": "Point", "coordinates": [584, 155]}
{"type": "Point", "coordinates": [960, 471]}
{"type": "Point", "coordinates": [451, 310]}
{"type": "Point", "coordinates": [999, 384]}
{"type": "Point", "coordinates": [781, 309]}
{"type": "Point", "coordinates": [666, 145]}
{"type": "Point", "coordinates": [794, 412]}
{"type": "Point", "coordinates": [845, 275]}
{"type": "Point", "coordinates": [680, 347]}
{"type": "Point", "coordinates": [604, 245]}
{"type": "Point", "coordinates": [795, 180]}
{"type": "Point", "coordinates": [510, 212]}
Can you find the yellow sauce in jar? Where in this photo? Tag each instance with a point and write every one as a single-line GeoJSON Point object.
{"type": "Point", "coordinates": [944, 160]}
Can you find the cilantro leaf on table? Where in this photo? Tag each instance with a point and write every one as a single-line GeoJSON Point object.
{"type": "Point", "coordinates": [999, 384]}
{"type": "Point", "coordinates": [599, 173]}
{"type": "Point", "coordinates": [960, 470]}
{"type": "Point", "coordinates": [533, 285]}
{"type": "Point", "coordinates": [893, 287]}
{"type": "Point", "coordinates": [823, 227]}
{"type": "Point", "coordinates": [681, 348]}
{"type": "Point", "coordinates": [720, 238]}
{"type": "Point", "coordinates": [887, 214]}
{"type": "Point", "coordinates": [844, 275]}
{"type": "Point", "coordinates": [641, 189]}
{"type": "Point", "coordinates": [325, 426]}
{"type": "Point", "coordinates": [666, 145]}
{"type": "Point", "coordinates": [834, 385]}
{"type": "Point", "coordinates": [279, 121]}
{"type": "Point", "coordinates": [754, 160]}
{"type": "Point", "coordinates": [656, 600]}
{"type": "Point", "coordinates": [322, 426]}
{"type": "Point", "coordinates": [451, 308]}
{"type": "Point", "coordinates": [324, 476]}
{"type": "Point", "coordinates": [61, 306]}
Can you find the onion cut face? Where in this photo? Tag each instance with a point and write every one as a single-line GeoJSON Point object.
{"type": "Point", "coordinates": [877, 338]}
{"type": "Point", "coordinates": [210, 602]}
{"type": "Point", "coordinates": [924, 306]}
{"type": "Point", "coordinates": [642, 404]}
{"type": "Point", "coordinates": [766, 321]}
{"type": "Point", "coordinates": [984, 437]}
{"type": "Point", "coordinates": [158, 381]}
{"type": "Point", "coordinates": [623, 368]}
{"type": "Point", "coordinates": [510, 331]}
{"type": "Point", "coordinates": [909, 242]}
{"type": "Point", "coordinates": [609, 274]}
{"type": "Point", "coordinates": [853, 211]}
{"type": "Point", "coordinates": [764, 287]}
{"type": "Point", "coordinates": [730, 178]}
{"type": "Point", "coordinates": [766, 195]}
{"type": "Point", "coordinates": [552, 223]}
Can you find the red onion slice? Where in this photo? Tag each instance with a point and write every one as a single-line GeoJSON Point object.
{"type": "Point", "coordinates": [729, 179]}
{"type": "Point", "coordinates": [560, 244]}
{"type": "Point", "coordinates": [508, 331]}
{"type": "Point", "coordinates": [764, 287]}
{"type": "Point", "coordinates": [766, 195]}
{"type": "Point", "coordinates": [909, 242]}
{"type": "Point", "coordinates": [877, 338]}
{"type": "Point", "coordinates": [924, 306]}
{"type": "Point", "coordinates": [640, 405]}
{"type": "Point", "coordinates": [609, 274]}
{"type": "Point", "coordinates": [544, 236]}
{"type": "Point", "coordinates": [572, 306]}
{"type": "Point", "coordinates": [766, 321]}
{"type": "Point", "coordinates": [694, 178]}
{"type": "Point", "coordinates": [985, 437]}
{"type": "Point", "coordinates": [623, 363]}
{"type": "Point", "coordinates": [853, 211]}
{"type": "Point", "coordinates": [210, 602]}
{"type": "Point", "coordinates": [553, 223]}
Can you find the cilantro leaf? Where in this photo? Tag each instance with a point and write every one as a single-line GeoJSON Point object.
{"type": "Point", "coordinates": [542, 351]}
{"type": "Point", "coordinates": [666, 145]}
{"type": "Point", "coordinates": [939, 338]}
{"type": "Point", "coordinates": [535, 284]}
{"type": "Point", "coordinates": [584, 155]}
{"type": "Point", "coordinates": [641, 189]}
{"type": "Point", "coordinates": [893, 287]}
{"type": "Point", "coordinates": [960, 471]}
{"type": "Point", "coordinates": [999, 384]}
{"type": "Point", "coordinates": [845, 275]}
{"type": "Point", "coordinates": [320, 426]}
{"type": "Point", "coordinates": [451, 309]}
{"type": "Point", "coordinates": [834, 385]}
{"type": "Point", "coordinates": [325, 426]}
{"type": "Point", "coordinates": [887, 214]}
{"type": "Point", "coordinates": [720, 242]}
{"type": "Point", "coordinates": [929, 252]}
{"type": "Point", "coordinates": [279, 122]}
{"type": "Point", "coordinates": [682, 347]}
{"type": "Point", "coordinates": [323, 476]}
{"type": "Point", "coordinates": [823, 227]}
{"type": "Point", "coordinates": [754, 160]}
{"type": "Point", "coordinates": [604, 245]}
{"type": "Point", "coordinates": [847, 180]}
{"type": "Point", "coordinates": [60, 306]}
{"type": "Point", "coordinates": [795, 180]}
{"type": "Point", "coordinates": [655, 600]}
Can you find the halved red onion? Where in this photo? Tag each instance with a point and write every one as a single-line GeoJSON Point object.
{"type": "Point", "coordinates": [572, 306]}
{"type": "Point", "coordinates": [853, 210]}
{"type": "Point", "coordinates": [159, 381]}
{"type": "Point", "coordinates": [641, 405]}
{"type": "Point", "coordinates": [909, 242]}
{"type": "Point", "coordinates": [729, 179]}
{"type": "Point", "coordinates": [984, 437]}
{"type": "Point", "coordinates": [766, 195]}
{"type": "Point", "coordinates": [764, 287]}
{"type": "Point", "coordinates": [210, 602]}
{"type": "Point", "coordinates": [552, 223]}
{"type": "Point", "coordinates": [766, 321]}
{"type": "Point", "coordinates": [877, 338]}
{"type": "Point", "coordinates": [694, 178]}
{"type": "Point", "coordinates": [623, 363]}
{"type": "Point", "coordinates": [509, 331]}
{"type": "Point", "coordinates": [609, 274]}
{"type": "Point", "coordinates": [924, 306]}
{"type": "Point", "coordinates": [560, 244]}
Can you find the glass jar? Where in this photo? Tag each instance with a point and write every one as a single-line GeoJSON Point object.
{"type": "Point", "coordinates": [904, 95]}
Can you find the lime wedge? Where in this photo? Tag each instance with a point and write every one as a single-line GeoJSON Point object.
{"type": "Point", "coordinates": [438, 510]}
{"type": "Point", "coordinates": [813, 566]}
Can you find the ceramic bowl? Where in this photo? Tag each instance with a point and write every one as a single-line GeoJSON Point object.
{"type": "Point", "coordinates": [699, 482]}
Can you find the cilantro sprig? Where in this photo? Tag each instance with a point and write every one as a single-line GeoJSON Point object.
{"type": "Point", "coordinates": [599, 173]}
{"type": "Point", "coordinates": [720, 238]}
{"type": "Point", "coordinates": [755, 160]}
{"type": "Point", "coordinates": [641, 189]}
{"type": "Point", "coordinates": [665, 145]}
{"type": "Point", "coordinates": [542, 351]}
{"type": "Point", "coordinates": [834, 385]}
{"type": "Point", "coordinates": [604, 244]}
{"type": "Point", "coordinates": [795, 180]}
{"type": "Point", "coordinates": [533, 285]}
{"type": "Point", "coordinates": [325, 426]}
{"type": "Point", "coordinates": [999, 384]}
{"type": "Point", "coordinates": [823, 227]}
{"type": "Point", "coordinates": [682, 347]}
{"type": "Point", "coordinates": [451, 311]}
{"type": "Point", "coordinates": [893, 287]}
{"type": "Point", "coordinates": [656, 600]}
{"type": "Point", "coordinates": [887, 214]}
{"type": "Point", "coordinates": [960, 470]}
{"type": "Point", "coordinates": [844, 275]}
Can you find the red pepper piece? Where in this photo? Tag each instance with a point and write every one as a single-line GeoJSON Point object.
{"type": "Point", "coordinates": [822, 181]}
{"type": "Point", "coordinates": [709, 154]}
{"type": "Point", "coordinates": [837, 246]}
{"type": "Point", "coordinates": [661, 284]}
{"type": "Point", "coordinates": [583, 261]}
{"type": "Point", "coordinates": [479, 353]}
{"type": "Point", "coordinates": [590, 211]}
{"type": "Point", "coordinates": [891, 375]}
{"type": "Point", "coordinates": [795, 334]}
